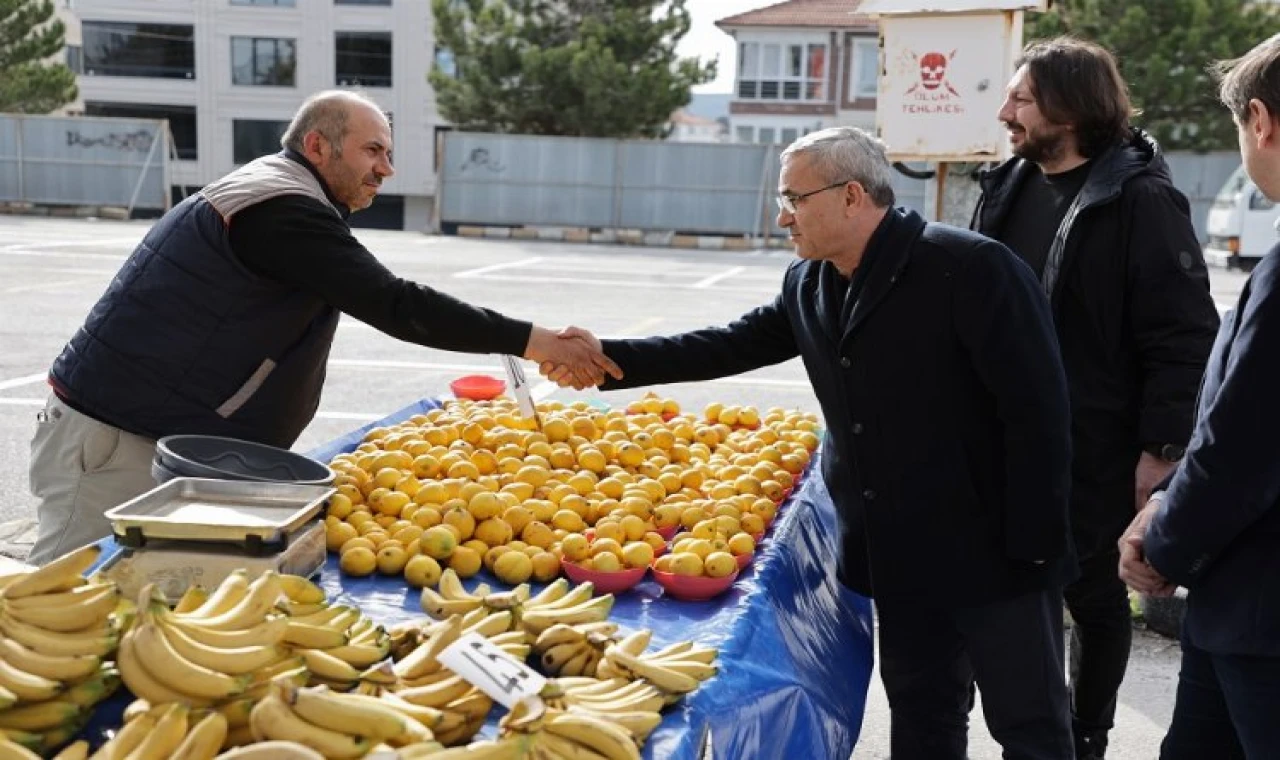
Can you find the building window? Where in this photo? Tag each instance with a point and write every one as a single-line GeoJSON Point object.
{"type": "Point", "coordinates": [363, 58]}
{"type": "Point", "coordinates": [165, 51]}
{"type": "Point", "coordinates": [251, 138]}
{"type": "Point", "coordinates": [766, 136]}
{"type": "Point", "coordinates": [745, 134]}
{"type": "Point", "coordinates": [263, 61]}
{"type": "Point", "coordinates": [771, 71]}
{"type": "Point", "coordinates": [446, 62]}
{"type": "Point", "coordinates": [866, 69]}
{"type": "Point", "coordinates": [182, 121]}
{"type": "Point", "coordinates": [788, 135]}
{"type": "Point", "coordinates": [75, 59]}
{"type": "Point", "coordinates": [280, 3]}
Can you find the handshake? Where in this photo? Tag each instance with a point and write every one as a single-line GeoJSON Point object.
{"type": "Point", "coordinates": [572, 357]}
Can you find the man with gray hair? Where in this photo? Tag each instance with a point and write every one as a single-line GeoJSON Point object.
{"type": "Point", "coordinates": [221, 320]}
{"type": "Point", "coordinates": [947, 454]}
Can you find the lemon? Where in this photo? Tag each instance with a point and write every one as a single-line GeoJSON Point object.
{"type": "Point", "coordinates": [337, 535]}
{"type": "Point", "coordinates": [513, 568]}
{"type": "Point", "coordinates": [391, 558]}
{"type": "Point", "coordinates": [637, 554]}
{"type": "Point", "coordinates": [575, 547]}
{"type": "Point", "coordinates": [494, 531]}
{"type": "Point", "coordinates": [546, 566]}
{"type": "Point", "coordinates": [684, 563]}
{"type": "Point", "coordinates": [742, 543]}
{"type": "Point", "coordinates": [358, 561]}
{"type": "Point", "coordinates": [438, 542]}
{"type": "Point", "coordinates": [465, 561]}
{"type": "Point", "coordinates": [606, 562]}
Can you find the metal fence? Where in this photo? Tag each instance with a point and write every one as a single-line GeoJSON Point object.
{"type": "Point", "coordinates": [84, 161]}
{"type": "Point", "coordinates": [698, 188]}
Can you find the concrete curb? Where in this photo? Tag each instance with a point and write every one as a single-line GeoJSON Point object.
{"type": "Point", "coordinates": [624, 237]}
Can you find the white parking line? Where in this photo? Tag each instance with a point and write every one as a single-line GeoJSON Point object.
{"type": "Point", "coordinates": [707, 282]}
{"type": "Point", "coordinates": [24, 380]}
{"type": "Point", "coordinates": [33, 247]}
{"type": "Point", "coordinates": [498, 267]}
{"type": "Point", "coordinates": [44, 287]}
{"type": "Point", "coordinates": [625, 283]}
{"type": "Point", "coordinates": [63, 254]}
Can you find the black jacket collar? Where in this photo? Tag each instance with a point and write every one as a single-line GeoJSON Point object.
{"type": "Point", "coordinates": [294, 155]}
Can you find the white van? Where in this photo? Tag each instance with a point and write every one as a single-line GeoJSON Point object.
{"type": "Point", "coordinates": [1241, 224]}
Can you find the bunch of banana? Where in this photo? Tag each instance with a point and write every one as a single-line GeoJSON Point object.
{"type": "Point", "coordinates": [337, 641]}
{"type": "Point", "coordinates": [173, 731]}
{"type": "Point", "coordinates": [210, 654]}
{"type": "Point", "coordinates": [451, 598]}
{"type": "Point", "coordinates": [10, 750]}
{"type": "Point", "coordinates": [572, 735]}
{"type": "Point", "coordinates": [573, 650]}
{"type": "Point", "coordinates": [634, 705]}
{"type": "Point", "coordinates": [574, 607]}
{"type": "Point", "coordinates": [674, 670]}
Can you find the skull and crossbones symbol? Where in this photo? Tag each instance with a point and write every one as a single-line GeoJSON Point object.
{"type": "Point", "coordinates": [933, 72]}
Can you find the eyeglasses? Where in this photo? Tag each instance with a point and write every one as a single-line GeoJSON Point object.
{"type": "Point", "coordinates": [788, 201]}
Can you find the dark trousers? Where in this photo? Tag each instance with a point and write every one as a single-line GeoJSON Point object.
{"type": "Point", "coordinates": [1100, 639]}
{"type": "Point", "coordinates": [1228, 708]}
{"type": "Point", "coordinates": [929, 659]}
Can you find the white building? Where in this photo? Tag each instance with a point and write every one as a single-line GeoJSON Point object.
{"type": "Point", "coordinates": [228, 74]}
{"type": "Point", "coordinates": [803, 65]}
{"type": "Point", "coordinates": [688, 127]}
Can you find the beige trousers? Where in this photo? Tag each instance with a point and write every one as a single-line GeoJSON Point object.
{"type": "Point", "coordinates": [80, 468]}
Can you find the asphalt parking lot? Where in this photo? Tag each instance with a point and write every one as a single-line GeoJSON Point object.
{"type": "Point", "coordinates": [52, 271]}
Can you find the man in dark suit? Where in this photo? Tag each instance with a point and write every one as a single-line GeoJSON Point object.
{"type": "Point", "coordinates": [932, 352]}
{"type": "Point", "coordinates": [1215, 528]}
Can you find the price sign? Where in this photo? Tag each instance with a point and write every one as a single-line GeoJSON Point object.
{"type": "Point", "coordinates": [491, 670]}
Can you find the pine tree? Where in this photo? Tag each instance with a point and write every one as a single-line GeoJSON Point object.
{"type": "Point", "coordinates": [29, 83]}
{"type": "Point", "coordinates": [599, 68]}
{"type": "Point", "coordinates": [1164, 48]}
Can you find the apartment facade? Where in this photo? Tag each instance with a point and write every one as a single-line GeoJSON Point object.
{"type": "Point", "coordinates": [229, 74]}
{"type": "Point", "coordinates": [802, 65]}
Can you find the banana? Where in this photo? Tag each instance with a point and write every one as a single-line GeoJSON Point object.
{"type": "Point", "coordinates": [7, 698]}
{"type": "Point", "coordinates": [252, 609]}
{"type": "Point", "coordinates": [362, 627]}
{"type": "Point", "coordinates": [68, 668]}
{"type": "Point", "coordinates": [599, 735]}
{"type": "Point", "coordinates": [571, 598]}
{"type": "Point", "coordinates": [297, 676]}
{"type": "Point", "coordinates": [510, 748]}
{"type": "Point", "coordinates": [372, 634]}
{"type": "Point", "coordinates": [58, 644]}
{"type": "Point", "coordinates": [13, 751]}
{"type": "Point", "coordinates": [492, 625]}
{"type": "Point", "coordinates": [437, 694]}
{"type": "Point", "coordinates": [272, 719]}
{"type": "Point", "coordinates": [677, 648]}
{"type": "Point", "coordinates": [191, 599]}
{"type": "Point", "coordinates": [140, 681]}
{"type": "Point", "coordinates": [636, 703]}
{"type": "Point", "coordinates": [268, 632]}
{"type": "Point", "coordinates": [301, 590]}
{"type": "Point", "coordinates": [298, 609]}
{"type": "Point", "coordinates": [430, 717]}
{"type": "Point", "coordinates": [665, 679]}
{"type": "Point", "coordinates": [354, 717]}
{"type": "Point", "coordinates": [232, 589]}
{"type": "Point", "coordinates": [451, 587]}
{"type": "Point", "coordinates": [560, 633]}
{"type": "Point", "coordinates": [346, 617]}
{"type": "Point", "coordinates": [327, 666]}
{"type": "Point", "coordinates": [66, 569]}
{"type": "Point", "coordinates": [321, 617]}
{"type": "Point", "coordinates": [474, 616]}
{"type": "Point", "coordinates": [68, 611]}
{"type": "Point", "coordinates": [74, 751]}
{"type": "Point", "coordinates": [636, 642]}
{"type": "Point", "coordinates": [699, 670]}
{"type": "Point", "coordinates": [577, 665]}
{"type": "Point", "coordinates": [380, 674]}
{"type": "Point", "coordinates": [24, 738]}
{"type": "Point", "coordinates": [162, 740]}
{"type": "Point", "coordinates": [638, 723]}
{"type": "Point", "coordinates": [93, 690]}
{"type": "Point", "coordinates": [473, 706]}
{"type": "Point", "coordinates": [204, 740]}
{"type": "Point", "coordinates": [597, 609]}
{"type": "Point", "coordinates": [41, 716]}
{"type": "Point", "coordinates": [704, 655]}
{"type": "Point", "coordinates": [243, 735]}
{"type": "Point", "coordinates": [235, 713]}
{"type": "Point", "coordinates": [136, 709]}
{"type": "Point", "coordinates": [554, 659]}
{"type": "Point", "coordinates": [422, 661]}
{"type": "Point", "coordinates": [443, 674]}
{"type": "Point", "coordinates": [26, 686]}
{"type": "Point", "coordinates": [127, 738]}
{"type": "Point", "coordinates": [420, 750]}
{"type": "Point", "coordinates": [441, 608]}
{"type": "Point", "coordinates": [549, 746]}
{"type": "Point", "coordinates": [178, 672]}
{"type": "Point", "coordinates": [230, 661]}
{"type": "Point", "coordinates": [360, 655]}
{"type": "Point", "coordinates": [553, 591]}
{"type": "Point", "coordinates": [508, 600]}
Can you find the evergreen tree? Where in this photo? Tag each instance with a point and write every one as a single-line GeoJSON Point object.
{"type": "Point", "coordinates": [29, 83]}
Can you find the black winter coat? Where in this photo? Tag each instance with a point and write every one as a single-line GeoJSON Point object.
{"type": "Point", "coordinates": [947, 448]}
{"type": "Point", "coordinates": [1134, 317]}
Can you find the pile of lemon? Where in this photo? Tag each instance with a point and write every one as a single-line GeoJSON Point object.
{"type": "Point", "coordinates": [475, 484]}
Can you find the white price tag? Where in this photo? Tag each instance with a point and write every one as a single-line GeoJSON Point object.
{"type": "Point", "coordinates": [520, 388]}
{"type": "Point", "coordinates": [490, 669]}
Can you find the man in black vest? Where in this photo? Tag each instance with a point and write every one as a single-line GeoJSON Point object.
{"type": "Point", "coordinates": [947, 449]}
{"type": "Point", "coordinates": [1088, 204]}
{"type": "Point", "coordinates": [221, 321]}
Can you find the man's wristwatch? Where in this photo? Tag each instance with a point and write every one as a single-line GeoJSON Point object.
{"type": "Point", "coordinates": [1169, 452]}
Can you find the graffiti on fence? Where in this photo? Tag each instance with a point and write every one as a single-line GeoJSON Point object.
{"type": "Point", "coordinates": [139, 140]}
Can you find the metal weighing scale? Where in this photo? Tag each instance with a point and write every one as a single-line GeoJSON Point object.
{"type": "Point", "coordinates": [197, 531]}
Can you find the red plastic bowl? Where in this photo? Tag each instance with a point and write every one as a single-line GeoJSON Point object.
{"type": "Point", "coordinates": [744, 560]}
{"type": "Point", "coordinates": [668, 531]}
{"type": "Point", "coordinates": [478, 387]}
{"type": "Point", "coordinates": [605, 583]}
{"type": "Point", "coordinates": [694, 588]}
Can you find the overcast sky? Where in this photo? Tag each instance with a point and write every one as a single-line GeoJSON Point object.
{"type": "Point", "coordinates": [706, 41]}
